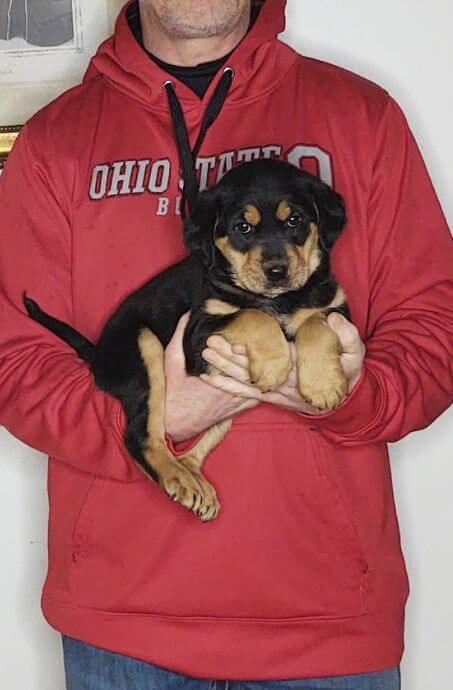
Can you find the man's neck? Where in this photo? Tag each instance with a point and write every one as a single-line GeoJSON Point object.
{"type": "Point", "coordinates": [188, 52]}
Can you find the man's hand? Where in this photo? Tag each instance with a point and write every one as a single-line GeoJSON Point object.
{"type": "Point", "coordinates": [234, 367]}
{"type": "Point", "coordinates": [191, 406]}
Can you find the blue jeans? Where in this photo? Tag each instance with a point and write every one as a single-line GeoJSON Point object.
{"type": "Point", "coordinates": [89, 668]}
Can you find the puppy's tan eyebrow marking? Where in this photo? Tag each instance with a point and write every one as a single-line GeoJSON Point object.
{"type": "Point", "coordinates": [252, 215]}
{"type": "Point", "coordinates": [283, 211]}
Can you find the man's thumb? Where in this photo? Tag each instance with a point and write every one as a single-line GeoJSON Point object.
{"type": "Point", "coordinates": [174, 353]}
{"type": "Point", "coordinates": [347, 333]}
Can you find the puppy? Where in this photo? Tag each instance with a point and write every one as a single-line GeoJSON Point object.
{"type": "Point", "coordinates": [258, 273]}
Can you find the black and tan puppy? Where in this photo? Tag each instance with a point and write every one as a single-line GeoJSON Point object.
{"type": "Point", "coordinates": [258, 273]}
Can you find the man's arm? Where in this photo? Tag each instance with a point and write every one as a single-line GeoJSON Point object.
{"type": "Point", "coordinates": [406, 378]}
{"type": "Point", "coordinates": [47, 395]}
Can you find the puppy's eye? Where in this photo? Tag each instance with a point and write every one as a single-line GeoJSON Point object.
{"type": "Point", "coordinates": [294, 221]}
{"type": "Point", "coordinates": [243, 227]}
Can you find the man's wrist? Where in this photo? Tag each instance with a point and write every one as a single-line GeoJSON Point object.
{"type": "Point", "coordinates": [181, 434]}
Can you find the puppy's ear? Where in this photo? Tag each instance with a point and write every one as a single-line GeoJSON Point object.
{"type": "Point", "coordinates": [199, 227]}
{"type": "Point", "coordinates": [330, 209]}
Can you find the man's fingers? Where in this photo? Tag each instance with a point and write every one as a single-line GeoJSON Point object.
{"type": "Point", "coordinates": [246, 404]}
{"type": "Point", "coordinates": [217, 342]}
{"type": "Point", "coordinates": [225, 366]}
{"type": "Point", "coordinates": [293, 351]}
{"type": "Point", "coordinates": [174, 353]}
{"type": "Point", "coordinates": [229, 385]}
{"type": "Point", "coordinates": [223, 347]}
{"type": "Point", "coordinates": [239, 349]}
{"type": "Point", "coordinates": [292, 377]}
{"type": "Point", "coordinates": [182, 325]}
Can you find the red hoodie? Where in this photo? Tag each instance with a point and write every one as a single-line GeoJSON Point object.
{"type": "Point", "coordinates": [301, 575]}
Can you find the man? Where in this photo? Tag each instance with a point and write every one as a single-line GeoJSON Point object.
{"type": "Point", "coordinates": [301, 577]}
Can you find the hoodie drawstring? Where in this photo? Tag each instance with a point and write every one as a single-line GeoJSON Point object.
{"type": "Point", "coordinates": [187, 156]}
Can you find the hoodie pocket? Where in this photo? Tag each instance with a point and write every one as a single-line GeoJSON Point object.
{"type": "Point", "coordinates": [341, 516]}
{"type": "Point", "coordinates": [283, 547]}
{"type": "Point", "coordinates": [84, 524]}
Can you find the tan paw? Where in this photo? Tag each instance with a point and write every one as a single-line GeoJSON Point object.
{"type": "Point", "coordinates": [324, 388]}
{"type": "Point", "coordinates": [190, 489]}
{"type": "Point", "coordinates": [269, 372]}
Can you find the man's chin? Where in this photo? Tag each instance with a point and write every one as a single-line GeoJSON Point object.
{"type": "Point", "coordinates": [185, 20]}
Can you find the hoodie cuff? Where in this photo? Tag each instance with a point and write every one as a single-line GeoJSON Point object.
{"type": "Point", "coordinates": [175, 448]}
{"type": "Point", "coordinates": [357, 413]}
{"type": "Point", "coordinates": [182, 447]}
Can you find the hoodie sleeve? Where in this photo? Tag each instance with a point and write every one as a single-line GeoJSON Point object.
{"type": "Point", "coordinates": [407, 378]}
{"type": "Point", "coordinates": [47, 395]}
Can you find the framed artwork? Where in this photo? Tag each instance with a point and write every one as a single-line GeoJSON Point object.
{"type": "Point", "coordinates": [39, 25]}
{"type": "Point", "coordinates": [8, 136]}
{"type": "Point", "coordinates": [45, 48]}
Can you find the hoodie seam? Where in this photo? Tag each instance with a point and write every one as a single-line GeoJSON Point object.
{"type": "Point", "coordinates": [228, 105]}
{"type": "Point", "coordinates": [28, 154]}
{"type": "Point", "coordinates": [258, 96]}
{"type": "Point", "coordinates": [201, 618]}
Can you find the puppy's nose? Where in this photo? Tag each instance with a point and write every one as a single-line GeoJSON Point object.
{"type": "Point", "coordinates": [276, 272]}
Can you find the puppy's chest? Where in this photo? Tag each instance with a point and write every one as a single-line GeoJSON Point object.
{"type": "Point", "coordinates": [291, 323]}
{"type": "Point", "coordinates": [290, 316]}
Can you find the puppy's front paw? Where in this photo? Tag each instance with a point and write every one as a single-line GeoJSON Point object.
{"type": "Point", "coordinates": [269, 372]}
{"type": "Point", "coordinates": [323, 386]}
{"type": "Point", "coordinates": [190, 489]}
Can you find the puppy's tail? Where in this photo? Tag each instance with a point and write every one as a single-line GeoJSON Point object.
{"type": "Point", "coordinates": [84, 348]}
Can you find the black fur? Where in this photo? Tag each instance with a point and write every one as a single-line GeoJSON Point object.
{"type": "Point", "coordinates": [206, 273]}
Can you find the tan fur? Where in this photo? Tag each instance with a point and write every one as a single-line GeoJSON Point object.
{"type": "Point", "coordinates": [235, 258]}
{"type": "Point", "coordinates": [251, 273]}
{"type": "Point", "coordinates": [195, 458]}
{"type": "Point", "coordinates": [292, 323]}
{"type": "Point", "coordinates": [252, 215]}
{"type": "Point", "coordinates": [185, 485]}
{"type": "Point", "coordinates": [303, 260]}
{"type": "Point", "coordinates": [152, 354]}
{"type": "Point", "coordinates": [216, 307]}
{"type": "Point", "coordinates": [267, 348]}
{"type": "Point", "coordinates": [312, 255]}
{"type": "Point", "coordinates": [283, 211]}
{"type": "Point", "coordinates": [320, 375]}
{"type": "Point", "coordinates": [247, 267]}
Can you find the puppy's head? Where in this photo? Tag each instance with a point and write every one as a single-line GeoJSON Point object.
{"type": "Point", "coordinates": [268, 224]}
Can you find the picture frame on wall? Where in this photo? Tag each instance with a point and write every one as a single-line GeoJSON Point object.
{"type": "Point", "coordinates": [40, 26]}
{"type": "Point", "coordinates": [45, 48]}
{"type": "Point", "coordinates": [32, 35]}
{"type": "Point", "coordinates": [8, 136]}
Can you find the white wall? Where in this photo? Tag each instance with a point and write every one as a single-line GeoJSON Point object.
{"type": "Point", "coordinates": [404, 45]}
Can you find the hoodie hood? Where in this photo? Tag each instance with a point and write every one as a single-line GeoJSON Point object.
{"type": "Point", "coordinates": [127, 67]}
